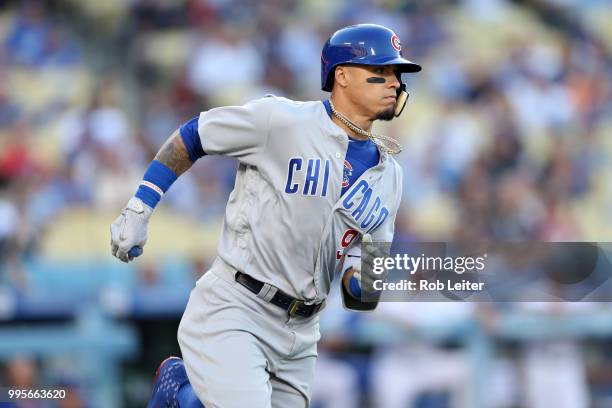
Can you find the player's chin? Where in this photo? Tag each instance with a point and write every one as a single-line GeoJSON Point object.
{"type": "Point", "coordinates": [386, 114]}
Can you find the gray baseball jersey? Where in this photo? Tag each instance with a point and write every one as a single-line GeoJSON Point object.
{"type": "Point", "coordinates": [286, 222]}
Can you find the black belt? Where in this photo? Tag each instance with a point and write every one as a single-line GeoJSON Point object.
{"type": "Point", "coordinates": [294, 307]}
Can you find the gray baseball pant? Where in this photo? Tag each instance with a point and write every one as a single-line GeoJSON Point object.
{"type": "Point", "coordinates": [241, 351]}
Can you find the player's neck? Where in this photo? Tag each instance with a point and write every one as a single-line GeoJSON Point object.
{"type": "Point", "coordinates": [350, 112]}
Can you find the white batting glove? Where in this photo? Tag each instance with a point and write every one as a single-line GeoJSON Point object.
{"type": "Point", "coordinates": [129, 230]}
{"type": "Point", "coordinates": [369, 252]}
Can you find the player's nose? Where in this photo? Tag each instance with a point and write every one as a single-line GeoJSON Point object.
{"type": "Point", "coordinates": [394, 82]}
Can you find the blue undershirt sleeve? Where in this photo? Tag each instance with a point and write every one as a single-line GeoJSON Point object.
{"type": "Point", "coordinates": [191, 139]}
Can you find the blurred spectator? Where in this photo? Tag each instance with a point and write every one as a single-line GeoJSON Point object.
{"type": "Point", "coordinates": [235, 67]}
{"type": "Point", "coordinates": [22, 374]}
{"type": "Point", "coordinates": [9, 223]}
{"type": "Point", "coordinates": [34, 39]}
{"type": "Point", "coordinates": [9, 110]}
{"type": "Point", "coordinates": [74, 397]}
{"type": "Point", "coordinates": [554, 369]}
{"type": "Point", "coordinates": [402, 374]}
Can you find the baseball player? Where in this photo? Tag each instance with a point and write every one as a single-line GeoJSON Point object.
{"type": "Point", "coordinates": [312, 183]}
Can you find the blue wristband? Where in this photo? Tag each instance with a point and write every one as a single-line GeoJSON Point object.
{"type": "Point", "coordinates": [156, 181]}
{"type": "Point", "coordinates": [354, 288]}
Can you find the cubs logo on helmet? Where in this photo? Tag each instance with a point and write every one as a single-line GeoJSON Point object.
{"type": "Point", "coordinates": [395, 42]}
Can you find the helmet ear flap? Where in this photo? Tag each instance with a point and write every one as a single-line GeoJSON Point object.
{"type": "Point", "coordinates": [402, 98]}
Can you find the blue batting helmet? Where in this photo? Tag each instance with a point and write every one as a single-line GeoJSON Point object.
{"type": "Point", "coordinates": [362, 44]}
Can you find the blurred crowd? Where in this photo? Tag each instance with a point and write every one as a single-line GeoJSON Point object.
{"type": "Point", "coordinates": [506, 137]}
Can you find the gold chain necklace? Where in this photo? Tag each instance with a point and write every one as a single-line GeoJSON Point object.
{"type": "Point", "coordinates": [378, 140]}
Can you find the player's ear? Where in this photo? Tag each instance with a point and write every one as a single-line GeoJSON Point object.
{"type": "Point", "coordinates": [341, 75]}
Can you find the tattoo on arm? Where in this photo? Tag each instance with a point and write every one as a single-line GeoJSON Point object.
{"type": "Point", "coordinates": [174, 154]}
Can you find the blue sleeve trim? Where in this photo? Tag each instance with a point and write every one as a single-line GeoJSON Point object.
{"type": "Point", "coordinates": [191, 139]}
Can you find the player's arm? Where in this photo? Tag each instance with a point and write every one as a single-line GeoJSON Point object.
{"type": "Point", "coordinates": [350, 275]}
{"type": "Point", "coordinates": [358, 277]}
{"type": "Point", "coordinates": [176, 156]}
{"type": "Point", "coordinates": [234, 131]}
